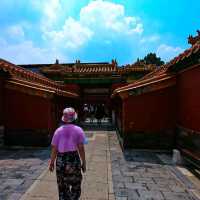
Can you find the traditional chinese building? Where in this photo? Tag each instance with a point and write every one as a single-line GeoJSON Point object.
{"type": "Point", "coordinates": [94, 82]}
{"type": "Point", "coordinates": [32, 97]}
{"type": "Point", "coordinates": [30, 105]}
{"type": "Point", "coordinates": [162, 110]}
{"type": "Point", "coordinates": [153, 107]}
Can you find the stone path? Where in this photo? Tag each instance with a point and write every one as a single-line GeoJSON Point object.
{"type": "Point", "coordinates": [145, 175]}
{"type": "Point", "coordinates": [19, 169]}
{"type": "Point", "coordinates": [111, 174]}
{"type": "Point", "coordinates": [97, 184]}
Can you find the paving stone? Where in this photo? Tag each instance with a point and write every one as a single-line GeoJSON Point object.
{"type": "Point", "coordinates": [111, 197]}
{"type": "Point", "coordinates": [132, 194]}
{"type": "Point", "coordinates": [158, 187]}
{"type": "Point", "coordinates": [18, 169]}
{"type": "Point", "coordinates": [14, 196]}
{"type": "Point", "coordinates": [110, 187]}
{"type": "Point", "coordinates": [133, 174]}
{"type": "Point", "coordinates": [13, 182]}
{"type": "Point", "coordinates": [143, 194]}
{"type": "Point", "coordinates": [121, 192]}
{"type": "Point", "coordinates": [111, 174]}
{"type": "Point", "coordinates": [135, 186]}
{"type": "Point", "coordinates": [24, 186]}
{"type": "Point", "coordinates": [176, 188]}
{"type": "Point", "coordinates": [120, 178]}
{"type": "Point", "coordinates": [143, 180]}
{"type": "Point", "coordinates": [169, 181]}
{"type": "Point", "coordinates": [3, 196]}
{"type": "Point", "coordinates": [121, 198]}
{"type": "Point", "coordinates": [119, 184]}
{"type": "Point", "coordinates": [149, 177]}
{"type": "Point", "coordinates": [97, 179]}
{"type": "Point", "coordinates": [177, 196]}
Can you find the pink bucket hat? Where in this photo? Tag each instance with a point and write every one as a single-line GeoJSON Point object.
{"type": "Point", "coordinates": [69, 115]}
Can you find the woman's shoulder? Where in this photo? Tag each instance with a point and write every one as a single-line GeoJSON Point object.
{"type": "Point", "coordinates": [78, 128]}
{"type": "Point", "coordinates": [58, 130]}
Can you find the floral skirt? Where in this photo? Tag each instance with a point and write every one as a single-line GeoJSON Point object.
{"type": "Point", "coordinates": [69, 176]}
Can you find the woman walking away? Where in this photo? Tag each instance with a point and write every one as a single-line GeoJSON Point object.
{"type": "Point", "coordinates": [69, 153]}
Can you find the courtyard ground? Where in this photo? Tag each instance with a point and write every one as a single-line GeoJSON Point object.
{"type": "Point", "coordinates": [111, 174]}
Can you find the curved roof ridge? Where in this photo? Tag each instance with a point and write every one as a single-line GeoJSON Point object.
{"type": "Point", "coordinates": [162, 71]}
{"type": "Point", "coordinates": [18, 72]}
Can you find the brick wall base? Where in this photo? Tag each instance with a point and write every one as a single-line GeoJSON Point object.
{"type": "Point", "coordinates": [150, 140]}
{"type": "Point", "coordinates": [188, 141]}
{"type": "Point", "coordinates": [27, 137]}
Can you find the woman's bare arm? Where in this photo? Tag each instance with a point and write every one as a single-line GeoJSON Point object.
{"type": "Point", "coordinates": [81, 151]}
{"type": "Point", "coordinates": [53, 157]}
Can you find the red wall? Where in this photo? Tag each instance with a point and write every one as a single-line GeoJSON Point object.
{"type": "Point", "coordinates": [117, 107]}
{"type": "Point", "coordinates": [1, 101]}
{"type": "Point", "coordinates": [188, 85]}
{"type": "Point", "coordinates": [117, 85]}
{"type": "Point", "coordinates": [72, 87]}
{"type": "Point", "coordinates": [24, 111]}
{"type": "Point", "coordinates": [150, 112]}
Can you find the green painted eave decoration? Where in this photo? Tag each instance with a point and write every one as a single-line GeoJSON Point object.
{"type": "Point", "coordinates": [136, 92]}
{"type": "Point", "coordinates": [92, 81]}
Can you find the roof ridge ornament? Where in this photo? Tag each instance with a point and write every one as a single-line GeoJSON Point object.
{"type": "Point", "coordinates": [78, 62]}
{"type": "Point", "coordinates": [193, 40]}
{"type": "Point", "coordinates": [114, 62]}
{"type": "Point", "coordinates": [57, 62]}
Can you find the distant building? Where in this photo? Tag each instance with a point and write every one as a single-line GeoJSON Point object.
{"type": "Point", "coordinates": [94, 82]}
{"type": "Point", "coordinates": [30, 105]}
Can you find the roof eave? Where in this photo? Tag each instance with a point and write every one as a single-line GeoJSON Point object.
{"type": "Point", "coordinates": [144, 87]}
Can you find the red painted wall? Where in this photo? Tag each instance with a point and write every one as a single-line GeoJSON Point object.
{"type": "Point", "coordinates": [117, 85]}
{"type": "Point", "coordinates": [24, 111]}
{"type": "Point", "coordinates": [151, 112]}
{"type": "Point", "coordinates": [72, 87]}
{"type": "Point", "coordinates": [1, 101]}
{"type": "Point", "coordinates": [117, 107]}
{"type": "Point", "coordinates": [188, 87]}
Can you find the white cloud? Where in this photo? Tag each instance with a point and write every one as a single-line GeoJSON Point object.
{"type": "Point", "coordinates": [150, 39]}
{"type": "Point", "coordinates": [15, 31]}
{"type": "Point", "coordinates": [108, 16]}
{"type": "Point", "coordinates": [72, 35]}
{"type": "Point", "coordinates": [51, 8]}
{"type": "Point", "coordinates": [167, 52]}
{"type": "Point", "coordinates": [26, 52]}
{"type": "Point", "coordinates": [50, 11]}
{"type": "Point", "coordinates": [99, 19]}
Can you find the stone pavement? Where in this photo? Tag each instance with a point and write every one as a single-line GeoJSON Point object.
{"type": "Point", "coordinates": [97, 184]}
{"type": "Point", "coordinates": [19, 168]}
{"type": "Point", "coordinates": [111, 174]}
{"type": "Point", "coordinates": [147, 175]}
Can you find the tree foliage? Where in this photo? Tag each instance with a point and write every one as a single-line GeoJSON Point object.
{"type": "Point", "coordinates": [151, 58]}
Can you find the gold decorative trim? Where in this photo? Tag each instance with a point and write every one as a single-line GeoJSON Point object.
{"type": "Point", "coordinates": [145, 88]}
{"type": "Point", "coordinates": [44, 88]}
{"type": "Point", "coordinates": [124, 95]}
{"type": "Point", "coordinates": [31, 90]}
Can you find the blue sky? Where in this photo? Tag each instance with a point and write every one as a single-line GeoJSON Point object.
{"type": "Point", "coordinates": [41, 31]}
